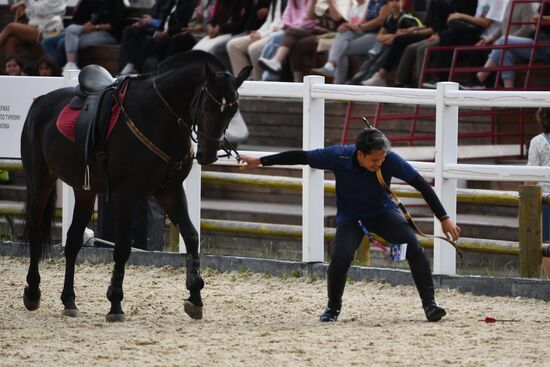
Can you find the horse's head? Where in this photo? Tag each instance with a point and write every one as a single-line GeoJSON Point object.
{"type": "Point", "coordinates": [219, 105]}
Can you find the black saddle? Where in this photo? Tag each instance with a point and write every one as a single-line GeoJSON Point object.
{"type": "Point", "coordinates": [94, 98]}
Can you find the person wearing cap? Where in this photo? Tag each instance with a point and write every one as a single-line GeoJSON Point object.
{"type": "Point", "coordinates": [361, 199]}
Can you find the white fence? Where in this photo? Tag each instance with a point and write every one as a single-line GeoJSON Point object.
{"type": "Point", "coordinates": [313, 91]}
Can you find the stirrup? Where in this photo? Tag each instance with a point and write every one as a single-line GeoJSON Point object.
{"type": "Point", "coordinates": [86, 185]}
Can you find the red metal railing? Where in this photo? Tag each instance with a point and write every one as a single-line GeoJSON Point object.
{"type": "Point", "coordinates": [491, 132]}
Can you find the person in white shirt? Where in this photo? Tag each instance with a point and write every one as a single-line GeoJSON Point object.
{"type": "Point", "coordinates": [245, 50]}
{"type": "Point", "coordinates": [45, 19]}
{"type": "Point", "coordinates": [539, 155]}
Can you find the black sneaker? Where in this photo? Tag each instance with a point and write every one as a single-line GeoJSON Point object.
{"type": "Point", "coordinates": [434, 312]}
{"type": "Point", "coordinates": [329, 314]}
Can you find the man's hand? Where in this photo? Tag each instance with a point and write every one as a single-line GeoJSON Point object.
{"type": "Point", "coordinates": [88, 27]}
{"type": "Point", "coordinates": [250, 162]}
{"type": "Point", "coordinates": [144, 21]}
{"type": "Point", "coordinates": [433, 38]}
{"type": "Point", "coordinates": [160, 34]}
{"type": "Point", "coordinates": [450, 229]}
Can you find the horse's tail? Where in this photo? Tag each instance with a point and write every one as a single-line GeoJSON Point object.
{"type": "Point", "coordinates": [40, 204]}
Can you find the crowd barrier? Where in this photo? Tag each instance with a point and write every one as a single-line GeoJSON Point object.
{"type": "Point", "coordinates": [447, 99]}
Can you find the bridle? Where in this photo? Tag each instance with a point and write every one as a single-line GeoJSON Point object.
{"type": "Point", "coordinates": [191, 126]}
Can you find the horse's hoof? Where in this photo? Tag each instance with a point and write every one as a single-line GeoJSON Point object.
{"type": "Point", "coordinates": [195, 312]}
{"type": "Point", "coordinates": [71, 312]}
{"type": "Point", "coordinates": [115, 317]}
{"type": "Point", "coordinates": [30, 304]}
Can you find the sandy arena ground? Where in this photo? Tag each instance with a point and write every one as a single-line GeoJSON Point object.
{"type": "Point", "coordinates": [257, 320]}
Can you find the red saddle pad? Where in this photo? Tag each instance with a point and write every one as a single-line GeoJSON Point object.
{"type": "Point", "coordinates": [66, 121]}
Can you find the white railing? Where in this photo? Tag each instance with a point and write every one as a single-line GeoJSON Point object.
{"type": "Point", "coordinates": [447, 99]}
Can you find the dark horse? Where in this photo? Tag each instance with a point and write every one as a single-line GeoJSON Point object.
{"type": "Point", "coordinates": [188, 93]}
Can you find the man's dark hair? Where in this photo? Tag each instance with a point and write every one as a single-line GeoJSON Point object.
{"type": "Point", "coordinates": [543, 116]}
{"type": "Point", "coordinates": [371, 139]}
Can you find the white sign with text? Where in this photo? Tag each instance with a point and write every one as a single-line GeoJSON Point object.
{"type": "Point", "coordinates": [16, 97]}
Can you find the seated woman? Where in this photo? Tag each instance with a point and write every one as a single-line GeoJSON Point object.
{"type": "Point", "coordinates": [297, 41]}
{"type": "Point", "coordinates": [45, 19]}
{"type": "Point", "coordinates": [95, 23]}
{"type": "Point", "coordinates": [517, 55]}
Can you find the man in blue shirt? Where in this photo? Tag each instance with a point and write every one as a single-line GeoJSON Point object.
{"type": "Point", "coordinates": [360, 197]}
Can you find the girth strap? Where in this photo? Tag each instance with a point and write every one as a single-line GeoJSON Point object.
{"type": "Point", "coordinates": [406, 213]}
{"type": "Point", "coordinates": [148, 143]}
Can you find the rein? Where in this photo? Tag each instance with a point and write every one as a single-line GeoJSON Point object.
{"type": "Point", "coordinates": [180, 121]}
{"type": "Point", "coordinates": [408, 215]}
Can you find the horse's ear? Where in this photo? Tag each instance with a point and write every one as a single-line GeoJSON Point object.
{"type": "Point", "coordinates": [243, 75]}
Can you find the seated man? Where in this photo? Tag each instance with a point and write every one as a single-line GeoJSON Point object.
{"type": "Point", "coordinates": [132, 46]}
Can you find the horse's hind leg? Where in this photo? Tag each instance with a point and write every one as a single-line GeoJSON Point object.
{"type": "Point", "coordinates": [38, 215]}
{"type": "Point", "coordinates": [83, 210]}
{"type": "Point", "coordinates": [123, 223]}
{"type": "Point", "coordinates": [175, 204]}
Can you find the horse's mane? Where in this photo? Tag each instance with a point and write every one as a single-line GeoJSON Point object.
{"type": "Point", "coordinates": [186, 58]}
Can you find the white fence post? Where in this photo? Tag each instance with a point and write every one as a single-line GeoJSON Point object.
{"type": "Point", "coordinates": [446, 150]}
{"type": "Point", "coordinates": [70, 78]}
{"type": "Point", "coordinates": [192, 186]}
{"type": "Point", "coordinates": [313, 248]}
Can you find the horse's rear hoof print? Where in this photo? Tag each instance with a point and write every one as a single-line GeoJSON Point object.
{"type": "Point", "coordinates": [118, 317]}
{"type": "Point", "coordinates": [30, 303]}
{"type": "Point", "coordinates": [71, 312]}
{"type": "Point", "coordinates": [195, 312]}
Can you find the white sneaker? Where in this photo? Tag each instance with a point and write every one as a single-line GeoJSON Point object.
{"type": "Point", "coordinates": [70, 66]}
{"type": "Point", "coordinates": [272, 65]}
{"type": "Point", "coordinates": [375, 81]}
{"type": "Point", "coordinates": [327, 70]}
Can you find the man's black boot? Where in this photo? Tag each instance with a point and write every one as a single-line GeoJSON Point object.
{"type": "Point", "coordinates": [433, 311]}
{"type": "Point", "coordinates": [422, 276]}
{"type": "Point", "coordinates": [330, 314]}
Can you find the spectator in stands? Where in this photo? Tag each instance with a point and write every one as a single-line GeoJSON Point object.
{"type": "Point", "coordinates": [132, 45]}
{"type": "Point", "coordinates": [366, 33]}
{"type": "Point", "coordinates": [346, 32]}
{"type": "Point", "coordinates": [435, 22]}
{"type": "Point", "coordinates": [329, 15]}
{"type": "Point", "coordinates": [300, 42]}
{"type": "Point", "coordinates": [517, 55]}
{"type": "Point", "coordinates": [245, 50]}
{"type": "Point", "coordinates": [168, 39]}
{"type": "Point", "coordinates": [294, 15]}
{"type": "Point", "coordinates": [199, 20]}
{"type": "Point", "coordinates": [539, 155]}
{"type": "Point", "coordinates": [227, 20]}
{"type": "Point", "coordinates": [255, 14]}
{"type": "Point", "coordinates": [44, 19]}
{"type": "Point", "coordinates": [13, 66]}
{"type": "Point", "coordinates": [94, 23]}
{"type": "Point", "coordinates": [47, 67]}
{"type": "Point", "coordinates": [361, 202]}
{"type": "Point", "coordinates": [393, 34]}
{"type": "Point", "coordinates": [464, 29]}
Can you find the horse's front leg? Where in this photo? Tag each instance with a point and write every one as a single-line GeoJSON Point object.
{"type": "Point", "coordinates": [175, 205]}
{"type": "Point", "coordinates": [123, 222]}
